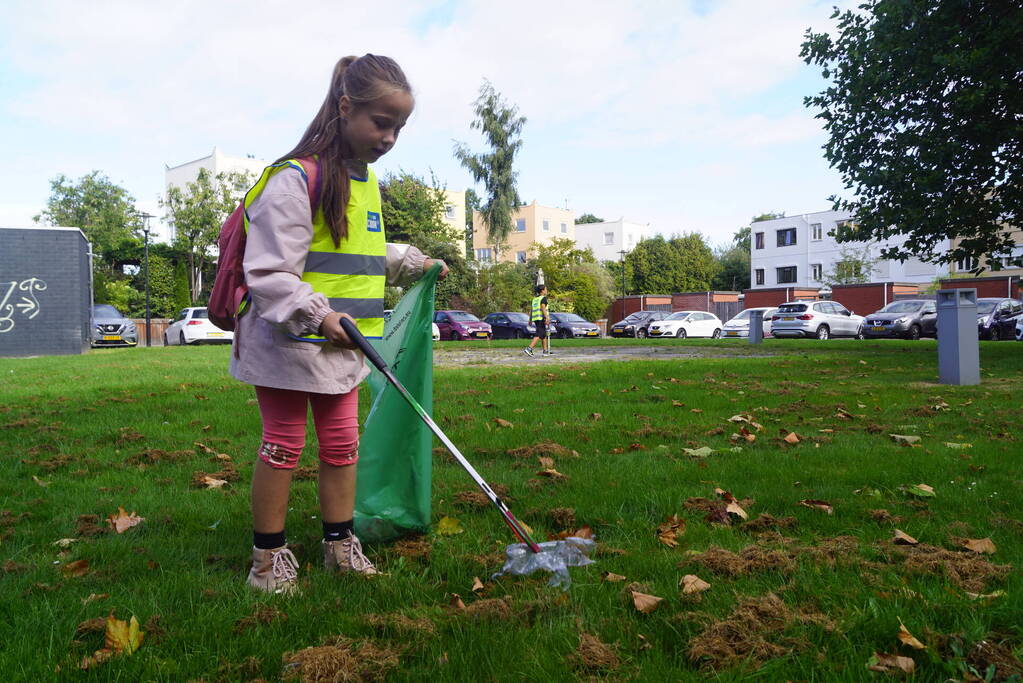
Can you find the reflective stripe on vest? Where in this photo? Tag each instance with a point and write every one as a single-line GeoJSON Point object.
{"type": "Point", "coordinates": [352, 276]}
{"type": "Point", "coordinates": [536, 313]}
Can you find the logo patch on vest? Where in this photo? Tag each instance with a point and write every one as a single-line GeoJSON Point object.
{"type": "Point", "coordinates": [372, 221]}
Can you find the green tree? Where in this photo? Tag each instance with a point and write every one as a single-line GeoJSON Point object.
{"type": "Point", "coordinates": [557, 259]}
{"type": "Point", "coordinates": [923, 115]}
{"type": "Point", "coordinates": [161, 289]}
{"type": "Point", "coordinates": [769, 216]}
{"type": "Point", "coordinates": [106, 214]}
{"type": "Point", "coordinates": [501, 126]}
{"type": "Point", "coordinates": [588, 218]}
{"type": "Point", "coordinates": [197, 212]}
{"type": "Point", "coordinates": [682, 264]}
{"type": "Point", "coordinates": [501, 287]}
{"type": "Point", "coordinates": [577, 283]}
{"type": "Point", "coordinates": [855, 266]}
{"type": "Point", "coordinates": [414, 210]}
{"type": "Point", "coordinates": [734, 259]}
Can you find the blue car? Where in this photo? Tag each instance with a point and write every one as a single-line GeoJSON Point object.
{"type": "Point", "coordinates": [510, 325]}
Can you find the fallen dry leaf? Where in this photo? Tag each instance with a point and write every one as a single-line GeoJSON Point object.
{"type": "Point", "coordinates": [985, 596]}
{"type": "Point", "coordinates": [611, 577]}
{"type": "Point", "coordinates": [552, 473]}
{"type": "Point", "coordinates": [124, 637]}
{"type": "Point", "coordinates": [93, 597]}
{"type": "Point", "coordinates": [502, 423]}
{"type": "Point", "coordinates": [822, 505]}
{"type": "Point", "coordinates": [595, 416]}
{"type": "Point", "coordinates": [123, 521]}
{"type": "Point", "coordinates": [692, 583]}
{"type": "Point", "coordinates": [212, 482]}
{"type": "Point", "coordinates": [678, 404]}
{"type": "Point", "coordinates": [95, 659]}
{"type": "Point", "coordinates": [980, 545]}
{"type": "Point", "coordinates": [65, 542]}
{"type": "Point", "coordinates": [732, 507]}
{"type": "Point", "coordinates": [695, 410]}
{"type": "Point", "coordinates": [904, 439]}
{"type": "Point", "coordinates": [669, 529]}
{"type": "Point", "coordinates": [883, 663]}
{"type": "Point", "coordinates": [75, 569]}
{"type": "Point", "coordinates": [645, 603]}
{"type": "Point", "coordinates": [701, 452]}
{"type": "Point", "coordinates": [449, 526]}
{"type": "Point", "coordinates": [922, 490]}
{"type": "Point", "coordinates": [39, 481]}
{"type": "Point", "coordinates": [907, 638]}
{"type": "Point", "coordinates": [902, 538]}
{"type": "Point", "coordinates": [477, 585]}
{"type": "Point", "coordinates": [456, 602]}
{"type": "Point", "coordinates": [949, 444]}
{"type": "Point", "coordinates": [792, 438]}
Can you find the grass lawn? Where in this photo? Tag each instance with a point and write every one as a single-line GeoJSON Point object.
{"type": "Point", "coordinates": [796, 592]}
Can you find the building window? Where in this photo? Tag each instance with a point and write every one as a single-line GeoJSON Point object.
{"type": "Point", "coordinates": [760, 276]}
{"type": "Point", "coordinates": [1013, 259]}
{"type": "Point", "coordinates": [966, 264]}
{"type": "Point", "coordinates": [449, 211]}
{"type": "Point", "coordinates": [817, 271]}
{"type": "Point", "coordinates": [786, 274]}
{"type": "Point", "coordinates": [760, 240]}
{"type": "Point", "coordinates": [786, 237]}
{"type": "Point", "coordinates": [817, 231]}
{"type": "Point", "coordinates": [564, 228]}
{"type": "Point", "coordinates": [546, 226]}
{"type": "Point", "coordinates": [520, 225]}
{"type": "Point", "coordinates": [484, 255]}
{"type": "Point", "coordinates": [609, 238]}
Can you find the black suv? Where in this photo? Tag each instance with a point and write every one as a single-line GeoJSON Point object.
{"type": "Point", "coordinates": [996, 317]}
{"type": "Point", "coordinates": [637, 324]}
{"type": "Point", "coordinates": [510, 325]}
{"type": "Point", "coordinates": [909, 318]}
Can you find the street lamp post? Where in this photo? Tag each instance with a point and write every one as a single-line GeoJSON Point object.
{"type": "Point", "coordinates": [145, 231]}
{"type": "Point", "coordinates": [622, 261]}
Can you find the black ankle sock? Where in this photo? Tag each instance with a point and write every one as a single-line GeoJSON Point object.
{"type": "Point", "coordinates": [267, 541]}
{"type": "Point", "coordinates": [335, 531]}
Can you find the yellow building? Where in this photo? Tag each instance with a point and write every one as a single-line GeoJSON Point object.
{"type": "Point", "coordinates": [1008, 264]}
{"type": "Point", "coordinates": [454, 214]}
{"type": "Point", "coordinates": [531, 224]}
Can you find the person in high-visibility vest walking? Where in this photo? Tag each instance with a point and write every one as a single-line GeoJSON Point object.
{"type": "Point", "coordinates": [541, 319]}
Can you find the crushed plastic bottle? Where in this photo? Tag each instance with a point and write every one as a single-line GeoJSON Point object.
{"type": "Point", "coordinates": [554, 556]}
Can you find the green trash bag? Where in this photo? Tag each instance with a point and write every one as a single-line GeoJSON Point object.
{"type": "Point", "coordinates": [395, 462]}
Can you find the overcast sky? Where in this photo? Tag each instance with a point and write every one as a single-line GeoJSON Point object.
{"type": "Point", "coordinates": [686, 115]}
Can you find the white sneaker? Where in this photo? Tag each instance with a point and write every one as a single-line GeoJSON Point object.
{"type": "Point", "coordinates": [528, 351]}
{"type": "Point", "coordinates": [274, 570]}
{"type": "Point", "coordinates": [346, 556]}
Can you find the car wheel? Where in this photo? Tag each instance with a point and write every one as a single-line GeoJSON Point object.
{"type": "Point", "coordinates": [823, 333]}
{"type": "Point", "coordinates": [681, 334]}
{"type": "Point", "coordinates": [993, 334]}
{"type": "Point", "coordinates": [166, 341]}
{"type": "Point", "coordinates": [859, 334]}
{"type": "Point", "coordinates": [181, 339]}
{"type": "Point", "coordinates": [454, 336]}
{"type": "Point", "coordinates": [914, 332]}
{"type": "Point", "coordinates": [641, 333]}
{"type": "Point", "coordinates": [519, 334]}
{"type": "Point", "coordinates": [565, 334]}
{"type": "Point", "coordinates": [717, 334]}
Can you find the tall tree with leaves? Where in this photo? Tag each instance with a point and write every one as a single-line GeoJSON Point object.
{"type": "Point", "coordinates": [104, 211]}
{"type": "Point", "coordinates": [682, 264]}
{"type": "Point", "coordinates": [588, 218]}
{"type": "Point", "coordinates": [925, 118]}
{"type": "Point", "coordinates": [414, 210]}
{"type": "Point", "coordinates": [197, 213]}
{"type": "Point", "coordinates": [501, 126]}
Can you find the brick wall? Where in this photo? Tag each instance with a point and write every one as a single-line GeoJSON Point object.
{"type": "Point", "coordinates": [999, 285]}
{"type": "Point", "coordinates": [620, 308]}
{"type": "Point", "coordinates": [774, 296]}
{"type": "Point", "coordinates": [867, 298]}
{"type": "Point", "coordinates": [45, 292]}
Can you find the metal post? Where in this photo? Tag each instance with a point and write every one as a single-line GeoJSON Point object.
{"type": "Point", "coordinates": [145, 231]}
{"type": "Point", "coordinates": [622, 261]}
{"type": "Point", "coordinates": [756, 327]}
{"type": "Point", "coordinates": [958, 348]}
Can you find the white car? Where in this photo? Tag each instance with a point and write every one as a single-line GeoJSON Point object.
{"type": "Point", "coordinates": [193, 326]}
{"type": "Point", "coordinates": [687, 324]}
{"type": "Point", "coordinates": [739, 325]}
{"type": "Point", "coordinates": [1019, 330]}
{"type": "Point", "coordinates": [436, 332]}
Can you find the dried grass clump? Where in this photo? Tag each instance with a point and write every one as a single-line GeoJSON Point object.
{"type": "Point", "coordinates": [341, 660]}
{"type": "Point", "coordinates": [594, 655]}
{"type": "Point", "coordinates": [966, 570]}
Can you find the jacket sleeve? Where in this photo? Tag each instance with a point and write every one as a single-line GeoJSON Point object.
{"type": "Point", "coordinates": [280, 232]}
{"type": "Point", "coordinates": [404, 264]}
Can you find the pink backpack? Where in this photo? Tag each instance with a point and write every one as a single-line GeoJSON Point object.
{"type": "Point", "coordinates": [229, 288]}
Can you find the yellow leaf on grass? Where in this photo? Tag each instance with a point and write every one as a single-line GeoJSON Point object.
{"type": "Point", "coordinates": [611, 577]}
{"type": "Point", "coordinates": [122, 521]}
{"type": "Point", "coordinates": [692, 583]}
{"type": "Point", "coordinates": [552, 473]}
{"type": "Point", "coordinates": [645, 603]}
{"type": "Point", "coordinates": [449, 526]}
{"type": "Point", "coordinates": [124, 637]}
{"type": "Point", "coordinates": [980, 545]}
{"type": "Point", "coordinates": [907, 638]}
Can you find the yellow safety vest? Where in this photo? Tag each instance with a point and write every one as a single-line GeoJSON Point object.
{"type": "Point", "coordinates": [537, 313]}
{"type": "Point", "coordinates": [352, 276]}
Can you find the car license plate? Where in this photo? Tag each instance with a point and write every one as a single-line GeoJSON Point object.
{"type": "Point", "coordinates": [731, 333]}
{"type": "Point", "coordinates": [591, 334]}
{"type": "Point", "coordinates": [111, 337]}
{"type": "Point", "coordinates": [481, 334]}
{"type": "Point", "coordinates": [214, 334]}
{"type": "Point", "coordinates": [878, 328]}
{"type": "Point", "coordinates": [788, 318]}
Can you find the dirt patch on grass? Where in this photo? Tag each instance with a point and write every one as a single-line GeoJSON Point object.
{"type": "Point", "coordinates": [765, 522]}
{"type": "Point", "coordinates": [262, 614]}
{"type": "Point", "coordinates": [153, 456]}
{"type": "Point", "coordinates": [562, 517]}
{"type": "Point", "coordinates": [593, 655]}
{"type": "Point", "coordinates": [401, 624]}
{"type": "Point", "coordinates": [753, 633]}
{"type": "Point", "coordinates": [488, 608]}
{"type": "Point", "coordinates": [341, 660]}
{"type": "Point", "coordinates": [416, 548]}
{"type": "Point", "coordinates": [475, 498]}
{"type": "Point", "coordinates": [88, 525]}
{"type": "Point", "coordinates": [966, 570]}
{"type": "Point", "coordinates": [750, 560]}
{"type": "Point", "coordinates": [548, 448]}
{"type": "Point", "coordinates": [988, 653]}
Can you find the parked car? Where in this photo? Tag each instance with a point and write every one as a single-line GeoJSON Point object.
{"type": "Point", "coordinates": [435, 330]}
{"type": "Point", "coordinates": [636, 324]}
{"type": "Point", "coordinates": [110, 328]}
{"type": "Point", "coordinates": [909, 318]}
{"type": "Point", "coordinates": [997, 317]}
{"type": "Point", "coordinates": [820, 319]}
{"type": "Point", "coordinates": [739, 325]}
{"type": "Point", "coordinates": [510, 325]}
{"type": "Point", "coordinates": [1019, 329]}
{"type": "Point", "coordinates": [193, 326]}
{"type": "Point", "coordinates": [461, 325]}
{"type": "Point", "coordinates": [570, 325]}
{"type": "Point", "coordinates": [684, 324]}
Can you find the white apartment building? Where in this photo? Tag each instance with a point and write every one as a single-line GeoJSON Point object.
{"type": "Point", "coordinates": [798, 251]}
{"type": "Point", "coordinates": [608, 238]}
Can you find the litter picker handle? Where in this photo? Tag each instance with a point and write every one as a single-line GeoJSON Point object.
{"type": "Point", "coordinates": [356, 337]}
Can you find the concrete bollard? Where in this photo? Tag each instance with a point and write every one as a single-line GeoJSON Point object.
{"type": "Point", "coordinates": [756, 327]}
{"type": "Point", "coordinates": [958, 347]}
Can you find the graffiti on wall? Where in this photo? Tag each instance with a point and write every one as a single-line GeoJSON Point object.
{"type": "Point", "coordinates": [12, 301]}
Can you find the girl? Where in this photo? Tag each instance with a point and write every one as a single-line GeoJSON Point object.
{"type": "Point", "coordinates": [306, 268]}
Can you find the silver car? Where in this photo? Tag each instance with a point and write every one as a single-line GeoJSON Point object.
{"type": "Point", "coordinates": [110, 328]}
{"type": "Point", "coordinates": [820, 319]}
{"type": "Point", "coordinates": [739, 325]}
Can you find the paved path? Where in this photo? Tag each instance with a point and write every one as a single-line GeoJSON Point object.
{"type": "Point", "coordinates": [476, 353]}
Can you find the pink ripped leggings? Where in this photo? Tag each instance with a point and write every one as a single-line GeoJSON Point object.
{"type": "Point", "coordinates": [285, 415]}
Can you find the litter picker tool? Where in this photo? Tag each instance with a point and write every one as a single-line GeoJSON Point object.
{"type": "Point", "coordinates": [523, 558]}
